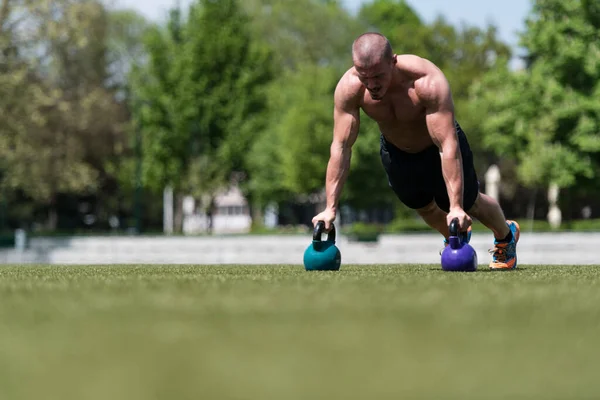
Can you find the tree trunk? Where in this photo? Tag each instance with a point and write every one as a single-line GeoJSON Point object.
{"type": "Point", "coordinates": [52, 221]}
{"type": "Point", "coordinates": [256, 215]}
{"type": "Point", "coordinates": [178, 219]}
{"type": "Point", "coordinates": [531, 209]}
{"type": "Point", "coordinates": [210, 210]}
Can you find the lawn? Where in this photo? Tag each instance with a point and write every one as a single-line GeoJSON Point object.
{"type": "Point", "coordinates": [279, 332]}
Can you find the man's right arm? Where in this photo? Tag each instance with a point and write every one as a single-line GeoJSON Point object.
{"type": "Point", "coordinates": [346, 121]}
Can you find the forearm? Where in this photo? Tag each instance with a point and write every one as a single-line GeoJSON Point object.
{"type": "Point", "coordinates": [453, 175]}
{"type": "Point", "coordinates": [337, 172]}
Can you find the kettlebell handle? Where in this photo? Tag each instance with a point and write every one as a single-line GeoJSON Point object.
{"type": "Point", "coordinates": [453, 228]}
{"type": "Point", "coordinates": [320, 228]}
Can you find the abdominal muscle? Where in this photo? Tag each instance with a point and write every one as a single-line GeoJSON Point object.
{"type": "Point", "coordinates": [411, 137]}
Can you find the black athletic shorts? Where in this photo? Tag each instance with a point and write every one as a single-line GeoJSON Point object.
{"type": "Point", "coordinates": [417, 178]}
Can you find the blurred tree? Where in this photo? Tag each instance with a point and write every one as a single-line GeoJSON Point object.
{"type": "Point", "coordinates": [152, 92]}
{"type": "Point", "coordinates": [305, 31]}
{"type": "Point", "coordinates": [289, 157]}
{"type": "Point", "coordinates": [367, 187]}
{"type": "Point", "coordinates": [302, 128]}
{"type": "Point", "coordinates": [57, 96]}
{"type": "Point", "coordinates": [125, 51]}
{"type": "Point", "coordinates": [204, 99]}
{"type": "Point", "coordinates": [398, 22]}
{"type": "Point", "coordinates": [160, 151]}
{"type": "Point", "coordinates": [229, 74]}
{"type": "Point", "coordinates": [545, 118]}
{"type": "Point", "coordinates": [42, 158]}
{"type": "Point", "coordinates": [125, 47]}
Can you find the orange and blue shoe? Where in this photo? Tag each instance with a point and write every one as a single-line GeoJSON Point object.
{"type": "Point", "coordinates": [504, 254]}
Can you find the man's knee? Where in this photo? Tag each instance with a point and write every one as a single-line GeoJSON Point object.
{"type": "Point", "coordinates": [475, 206]}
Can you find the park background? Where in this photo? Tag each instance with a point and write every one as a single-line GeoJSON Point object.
{"type": "Point", "coordinates": [127, 127]}
{"type": "Point", "coordinates": [215, 117]}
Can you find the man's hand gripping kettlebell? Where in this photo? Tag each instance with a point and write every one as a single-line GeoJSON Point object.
{"type": "Point", "coordinates": [328, 216]}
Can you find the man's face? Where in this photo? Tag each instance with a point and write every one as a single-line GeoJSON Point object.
{"type": "Point", "coordinates": [377, 77]}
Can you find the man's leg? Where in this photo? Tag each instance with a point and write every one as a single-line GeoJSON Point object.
{"type": "Point", "coordinates": [506, 233]}
{"type": "Point", "coordinates": [435, 217]}
{"type": "Point", "coordinates": [489, 213]}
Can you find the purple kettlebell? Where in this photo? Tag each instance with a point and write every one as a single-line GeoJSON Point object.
{"type": "Point", "coordinates": [458, 255]}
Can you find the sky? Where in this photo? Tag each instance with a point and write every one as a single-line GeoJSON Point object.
{"type": "Point", "coordinates": [507, 15]}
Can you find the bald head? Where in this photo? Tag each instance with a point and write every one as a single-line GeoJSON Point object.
{"type": "Point", "coordinates": [371, 48]}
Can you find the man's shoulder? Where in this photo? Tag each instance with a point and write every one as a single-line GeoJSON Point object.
{"type": "Point", "coordinates": [416, 66]}
{"type": "Point", "coordinates": [429, 80]}
{"type": "Point", "coordinates": [349, 89]}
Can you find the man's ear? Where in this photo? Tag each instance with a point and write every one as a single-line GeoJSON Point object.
{"type": "Point", "coordinates": [394, 59]}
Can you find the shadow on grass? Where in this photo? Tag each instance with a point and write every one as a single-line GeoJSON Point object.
{"type": "Point", "coordinates": [484, 269]}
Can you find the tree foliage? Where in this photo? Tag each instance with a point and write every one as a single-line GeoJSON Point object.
{"type": "Point", "coordinates": [305, 31]}
{"type": "Point", "coordinates": [243, 91]}
{"type": "Point", "coordinates": [546, 117]}
{"type": "Point", "coordinates": [55, 139]}
{"type": "Point", "coordinates": [200, 98]}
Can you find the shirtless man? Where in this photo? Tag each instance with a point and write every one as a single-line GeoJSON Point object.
{"type": "Point", "coordinates": [424, 151]}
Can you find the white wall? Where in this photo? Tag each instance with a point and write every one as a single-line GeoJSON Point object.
{"type": "Point", "coordinates": [534, 248]}
{"type": "Point", "coordinates": [198, 223]}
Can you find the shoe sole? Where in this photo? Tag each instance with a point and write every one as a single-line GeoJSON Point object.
{"type": "Point", "coordinates": [517, 236]}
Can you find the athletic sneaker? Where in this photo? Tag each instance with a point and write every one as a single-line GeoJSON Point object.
{"type": "Point", "coordinates": [504, 255]}
{"type": "Point", "coordinates": [464, 236]}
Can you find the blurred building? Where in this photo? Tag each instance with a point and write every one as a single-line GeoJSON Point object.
{"type": "Point", "coordinates": [231, 215]}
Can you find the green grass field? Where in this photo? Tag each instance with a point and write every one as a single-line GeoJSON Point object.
{"type": "Point", "coordinates": [279, 332]}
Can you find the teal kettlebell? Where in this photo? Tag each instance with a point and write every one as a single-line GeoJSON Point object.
{"type": "Point", "coordinates": [322, 255]}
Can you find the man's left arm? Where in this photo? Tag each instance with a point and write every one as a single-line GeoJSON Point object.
{"type": "Point", "coordinates": [436, 94]}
